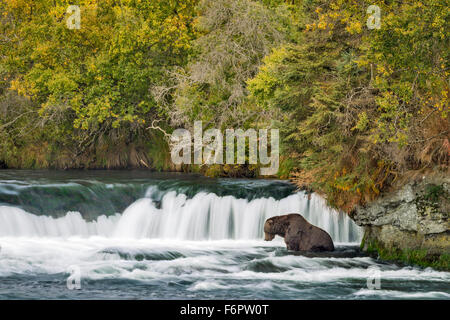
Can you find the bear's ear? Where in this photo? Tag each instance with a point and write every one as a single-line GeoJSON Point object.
{"type": "Point", "coordinates": [270, 221]}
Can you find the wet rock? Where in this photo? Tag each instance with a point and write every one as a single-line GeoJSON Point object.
{"type": "Point", "coordinates": [413, 217]}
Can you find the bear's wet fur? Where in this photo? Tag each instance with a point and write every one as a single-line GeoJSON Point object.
{"type": "Point", "coordinates": [298, 234]}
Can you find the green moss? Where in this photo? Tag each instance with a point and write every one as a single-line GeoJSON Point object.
{"type": "Point", "coordinates": [363, 242]}
{"type": "Point", "coordinates": [433, 192]}
{"type": "Point", "coordinates": [418, 257]}
{"type": "Point", "coordinates": [373, 248]}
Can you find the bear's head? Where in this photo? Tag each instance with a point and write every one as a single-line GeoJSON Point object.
{"type": "Point", "coordinates": [268, 230]}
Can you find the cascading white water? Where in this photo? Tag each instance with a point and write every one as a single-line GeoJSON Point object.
{"type": "Point", "coordinates": [15, 222]}
{"type": "Point", "coordinates": [159, 241]}
{"type": "Point", "coordinates": [206, 216]}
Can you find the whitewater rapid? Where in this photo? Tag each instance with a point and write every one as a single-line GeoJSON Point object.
{"type": "Point", "coordinates": [182, 269]}
{"type": "Point", "coordinates": [140, 235]}
{"type": "Point", "coordinates": [205, 216]}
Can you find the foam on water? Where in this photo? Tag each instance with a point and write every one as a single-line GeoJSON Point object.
{"type": "Point", "coordinates": [225, 267]}
{"type": "Point", "coordinates": [185, 244]}
{"type": "Point", "coordinates": [372, 294]}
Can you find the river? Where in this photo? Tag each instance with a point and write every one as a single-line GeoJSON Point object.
{"type": "Point", "coordinates": [141, 235]}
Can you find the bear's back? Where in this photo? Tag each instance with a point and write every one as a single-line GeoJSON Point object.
{"type": "Point", "coordinates": [303, 236]}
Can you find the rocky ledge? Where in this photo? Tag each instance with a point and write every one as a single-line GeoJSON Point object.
{"type": "Point", "coordinates": [410, 224]}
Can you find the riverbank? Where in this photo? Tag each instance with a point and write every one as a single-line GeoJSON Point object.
{"type": "Point", "coordinates": [410, 225]}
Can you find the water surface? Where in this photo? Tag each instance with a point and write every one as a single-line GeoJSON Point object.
{"type": "Point", "coordinates": [141, 235]}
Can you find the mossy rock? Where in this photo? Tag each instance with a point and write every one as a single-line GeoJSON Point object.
{"type": "Point", "coordinates": [417, 257]}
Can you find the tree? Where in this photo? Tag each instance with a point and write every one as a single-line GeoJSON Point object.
{"type": "Point", "coordinates": [92, 84]}
{"type": "Point", "coordinates": [234, 37]}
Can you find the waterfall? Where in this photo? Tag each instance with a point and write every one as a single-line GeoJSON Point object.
{"type": "Point", "coordinates": [205, 216]}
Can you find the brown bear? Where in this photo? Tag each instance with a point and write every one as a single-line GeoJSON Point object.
{"type": "Point", "coordinates": [298, 234]}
